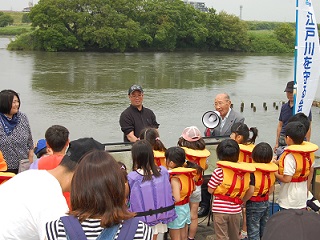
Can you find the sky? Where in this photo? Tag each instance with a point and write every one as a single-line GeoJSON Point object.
{"type": "Point", "coordinates": [260, 10]}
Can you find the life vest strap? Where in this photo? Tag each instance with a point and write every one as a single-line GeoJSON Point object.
{"type": "Point", "coordinates": [155, 211]}
{"type": "Point", "coordinates": [158, 161]}
{"type": "Point", "coordinates": [200, 181]}
{"type": "Point", "coordinates": [299, 179]}
{"type": "Point", "coordinates": [247, 157]}
{"type": "Point", "coordinates": [260, 198]}
{"type": "Point", "coordinates": [228, 198]}
{"type": "Point", "coordinates": [182, 202]}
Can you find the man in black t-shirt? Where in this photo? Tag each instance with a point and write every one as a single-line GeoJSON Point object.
{"type": "Point", "coordinates": [136, 117]}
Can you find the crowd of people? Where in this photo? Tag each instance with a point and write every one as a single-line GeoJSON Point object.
{"type": "Point", "coordinates": [77, 190]}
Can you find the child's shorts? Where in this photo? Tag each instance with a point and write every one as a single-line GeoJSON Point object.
{"type": "Point", "coordinates": [183, 218]}
{"type": "Point", "coordinates": [196, 195]}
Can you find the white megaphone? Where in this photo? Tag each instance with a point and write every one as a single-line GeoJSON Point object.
{"type": "Point", "coordinates": [211, 119]}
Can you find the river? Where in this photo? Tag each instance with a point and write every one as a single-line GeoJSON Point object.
{"type": "Point", "coordinates": [86, 92]}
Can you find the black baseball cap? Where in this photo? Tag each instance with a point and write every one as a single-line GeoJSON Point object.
{"type": "Point", "coordinates": [78, 148]}
{"type": "Point", "coordinates": [135, 88]}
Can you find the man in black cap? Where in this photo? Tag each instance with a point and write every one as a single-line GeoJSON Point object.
{"type": "Point", "coordinates": [285, 113]}
{"type": "Point", "coordinates": [136, 117]}
{"type": "Point", "coordinates": [34, 197]}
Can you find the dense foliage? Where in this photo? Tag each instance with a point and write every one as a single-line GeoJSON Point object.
{"type": "Point", "coordinates": [130, 25]}
{"type": "Point", "coordinates": [5, 19]}
{"type": "Point", "coordinates": [144, 25]}
{"type": "Point", "coordinates": [25, 18]}
{"type": "Point", "coordinates": [285, 34]}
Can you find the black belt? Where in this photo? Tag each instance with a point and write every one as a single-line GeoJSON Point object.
{"type": "Point", "coordinates": [156, 211]}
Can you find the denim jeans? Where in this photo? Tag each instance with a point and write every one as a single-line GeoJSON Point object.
{"type": "Point", "coordinates": [257, 217]}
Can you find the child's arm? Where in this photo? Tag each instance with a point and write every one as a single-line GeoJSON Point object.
{"type": "Point", "coordinates": [211, 190]}
{"type": "Point", "coordinates": [310, 176]}
{"type": "Point", "coordinates": [176, 186]}
{"type": "Point", "coordinates": [215, 180]}
{"type": "Point", "coordinates": [271, 189]}
{"type": "Point", "coordinates": [289, 169]}
{"type": "Point", "coordinates": [250, 191]}
{"type": "Point", "coordinates": [283, 178]}
{"type": "Point", "coordinates": [249, 194]}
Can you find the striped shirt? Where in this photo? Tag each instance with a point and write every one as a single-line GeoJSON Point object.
{"type": "Point", "coordinates": [91, 227]}
{"type": "Point", "coordinates": [218, 205]}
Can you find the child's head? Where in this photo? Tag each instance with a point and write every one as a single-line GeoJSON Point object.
{"type": "Point", "coordinates": [262, 153]}
{"type": "Point", "coordinates": [191, 138]}
{"type": "Point", "coordinates": [228, 150]}
{"type": "Point", "coordinates": [57, 137]}
{"type": "Point", "coordinates": [123, 168]}
{"type": "Point", "coordinates": [152, 136]}
{"type": "Point", "coordinates": [175, 155]}
{"type": "Point", "coordinates": [301, 117]}
{"type": "Point", "coordinates": [296, 132]}
{"type": "Point", "coordinates": [240, 133]}
{"type": "Point", "coordinates": [41, 148]}
{"type": "Point", "coordinates": [142, 156]}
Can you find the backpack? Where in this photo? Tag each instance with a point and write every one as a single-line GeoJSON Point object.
{"type": "Point", "coordinates": [74, 229]}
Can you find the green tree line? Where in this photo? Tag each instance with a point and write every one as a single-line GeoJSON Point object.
{"type": "Point", "coordinates": [5, 19]}
{"type": "Point", "coordinates": [135, 25]}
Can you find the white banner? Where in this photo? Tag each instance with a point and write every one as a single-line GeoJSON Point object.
{"type": "Point", "coordinates": [307, 57]}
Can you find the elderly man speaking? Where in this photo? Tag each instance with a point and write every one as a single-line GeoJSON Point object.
{"type": "Point", "coordinates": [228, 117]}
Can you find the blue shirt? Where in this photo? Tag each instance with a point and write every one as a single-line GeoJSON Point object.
{"type": "Point", "coordinates": [285, 113]}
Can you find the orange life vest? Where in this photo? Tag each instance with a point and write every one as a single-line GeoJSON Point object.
{"type": "Point", "coordinates": [264, 180]}
{"type": "Point", "coordinates": [185, 176]}
{"type": "Point", "coordinates": [236, 180]}
{"type": "Point", "coordinates": [245, 153]}
{"type": "Point", "coordinates": [3, 163]}
{"type": "Point", "coordinates": [198, 157]}
{"type": "Point", "coordinates": [5, 176]}
{"type": "Point", "coordinates": [304, 157]}
{"type": "Point", "coordinates": [159, 158]}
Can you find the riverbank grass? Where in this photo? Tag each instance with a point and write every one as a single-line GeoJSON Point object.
{"type": "Point", "coordinates": [265, 41]}
{"type": "Point", "coordinates": [18, 27]}
{"type": "Point", "coordinates": [14, 30]}
{"type": "Point", "coordinates": [17, 16]}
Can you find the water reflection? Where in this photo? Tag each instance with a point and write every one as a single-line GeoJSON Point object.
{"type": "Point", "coordinates": [104, 72]}
{"type": "Point", "coordinates": [86, 92]}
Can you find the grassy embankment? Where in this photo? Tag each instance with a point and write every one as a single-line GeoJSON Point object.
{"type": "Point", "coordinates": [18, 27]}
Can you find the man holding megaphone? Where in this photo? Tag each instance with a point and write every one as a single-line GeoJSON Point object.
{"type": "Point", "coordinates": [228, 117]}
{"type": "Point", "coordinates": [218, 124]}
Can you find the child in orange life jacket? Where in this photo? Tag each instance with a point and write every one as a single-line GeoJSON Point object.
{"type": "Point", "coordinates": [241, 133]}
{"type": "Point", "coordinates": [150, 189]}
{"type": "Point", "coordinates": [300, 117]}
{"type": "Point", "coordinates": [295, 167]}
{"type": "Point", "coordinates": [4, 176]}
{"type": "Point", "coordinates": [229, 184]}
{"type": "Point", "coordinates": [152, 136]}
{"type": "Point", "coordinates": [3, 163]}
{"type": "Point", "coordinates": [196, 152]}
{"type": "Point", "coordinates": [257, 207]}
{"type": "Point", "coordinates": [183, 185]}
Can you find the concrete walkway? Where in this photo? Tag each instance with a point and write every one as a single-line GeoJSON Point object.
{"type": "Point", "coordinates": [205, 232]}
